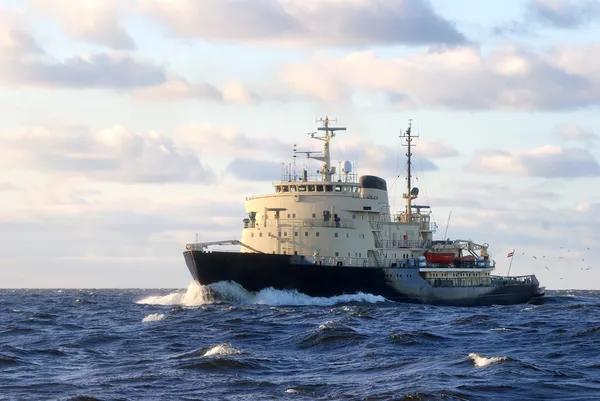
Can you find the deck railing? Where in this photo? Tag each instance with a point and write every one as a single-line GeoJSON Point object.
{"type": "Point", "coordinates": [397, 244]}
{"type": "Point", "coordinates": [514, 280]}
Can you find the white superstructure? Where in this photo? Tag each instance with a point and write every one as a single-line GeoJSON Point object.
{"type": "Point", "coordinates": [335, 217]}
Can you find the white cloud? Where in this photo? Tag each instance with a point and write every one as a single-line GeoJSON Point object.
{"type": "Point", "coordinates": [509, 77]}
{"type": "Point", "coordinates": [566, 14]}
{"type": "Point", "coordinates": [114, 154]}
{"type": "Point", "coordinates": [574, 132]}
{"type": "Point", "coordinates": [549, 161]}
{"type": "Point", "coordinates": [15, 36]}
{"type": "Point", "coordinates": [557, 14]}
{"type": "Point", "coordinates": [180, 89]}
{"type": "Point", "coordinates": [229, 141]}
{"type": "Point", "coordinates": [7, 187]}
{"type": "Point", "coordinates": [308, 22]}
{"type": "Point", "coordinates": [96, 71]}
{"type": "Point", "coordinates": [236, 92]}
{"type": "Point", "coordinates": [96, 21]}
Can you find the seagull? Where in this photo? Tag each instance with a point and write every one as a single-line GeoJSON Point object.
{"type": "Point", "coordinates": [534, 257]}
{"type": "Point", "coordinates": [546, 267]}
{"type": "Point", "coordinates": [560, 257]}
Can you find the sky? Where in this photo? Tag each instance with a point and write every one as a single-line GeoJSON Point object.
{"type": "Point", "coordinates": [129, 127]}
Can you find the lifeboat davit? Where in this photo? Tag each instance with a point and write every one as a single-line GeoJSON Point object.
{"type": "Point", "coordinates": [445, 258]}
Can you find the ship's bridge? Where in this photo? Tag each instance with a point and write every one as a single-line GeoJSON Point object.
{"type": "Point", "coordinates": [307, 188]}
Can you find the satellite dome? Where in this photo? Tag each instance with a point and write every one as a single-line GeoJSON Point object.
{"type": "Point", "coordinates": [347, 167]}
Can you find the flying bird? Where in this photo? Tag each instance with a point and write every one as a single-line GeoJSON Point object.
{"type": "Point", "coordinates": [534, 257]}
{"type": "Point", "coordinates": [546, 267]}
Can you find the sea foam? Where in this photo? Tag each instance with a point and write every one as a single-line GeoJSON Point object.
{"type": "Point", "coordinates": [153, 317]}
{"type": "Point", "coordinates": [481, 361]}
{"type": "Point", "coordinates": [197, 294]}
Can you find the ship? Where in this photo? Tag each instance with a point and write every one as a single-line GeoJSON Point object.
{"type": "Point", "coordinates": [332, 233]}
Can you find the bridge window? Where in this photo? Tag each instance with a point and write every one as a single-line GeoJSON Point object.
{"type": "Point", "coordinates": [279, 233]}
{"type": "Point", "coordinates": [260, 234]}
{"type": "Point", "coordinates": [285, 188]}
{"type": "Point", "coordinates": [317, 233]}
{"type": "Point", "coordinates": [311, 188]}
{"type": "Point", "coordinates": [288, 215]}
{"type": "Point", "coordinates": [353, 217]}
{"type": "Point", "coordinates": [306, 233]}
{"type": "Point", "coordinates": [285, 234]}
{"type": "Point", "coordinates": [278, 188]}
{"type": "Point", "coordinates": [252, 235]}
{"type": "Point", "coordinates": [338, 188]}
{"type": "Point", "coordinates": [302, 188]}
{"type": "Point", "coordinates": [319, 188]}
{"type": "Point", "coordinates": [294, 215]}
{"type": "Point", "coordinates": [314, 215]}
{"type": "Point", "coordinates": [295, 233]}
{"type": "Point", "coordinates": [335, 235]}
{"type": "Point", "coordinates": [347, 235]}
{"type": "Point", "coordinates": [292, 188]}
{"type": "Point", "coordinates": [337, 254]}
{"type": "Point", "coordinates": [328, 188]}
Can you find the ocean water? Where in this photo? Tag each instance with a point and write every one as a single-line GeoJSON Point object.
{"type": "Point", "coordinates": [223, 343]}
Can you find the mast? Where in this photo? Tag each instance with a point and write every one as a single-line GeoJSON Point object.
{"type": "Point", "coordinates": [411, 193]}
{"type": "Point", "coordinates": [327, 170]}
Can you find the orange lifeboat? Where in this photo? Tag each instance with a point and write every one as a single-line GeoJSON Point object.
{"type": "Point", "coordinates": [445, 258]}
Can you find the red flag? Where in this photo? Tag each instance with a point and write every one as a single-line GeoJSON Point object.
{"type": "Point", "coordinates": [510, 254]}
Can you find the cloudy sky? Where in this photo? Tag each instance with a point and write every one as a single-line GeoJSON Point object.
{"type": "Point", "coordinates": [127, 127]}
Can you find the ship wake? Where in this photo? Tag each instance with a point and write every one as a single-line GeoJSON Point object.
{"type": "Point", "coordinates": [231, 292]}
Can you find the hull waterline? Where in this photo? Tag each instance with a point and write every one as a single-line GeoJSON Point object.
{"type": "Point", "coordinates": [255, 272]}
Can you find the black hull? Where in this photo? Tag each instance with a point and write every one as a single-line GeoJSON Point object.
{"type": "Point", "coordinates": [255, 272]}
